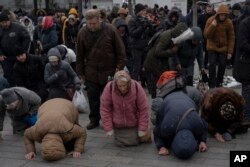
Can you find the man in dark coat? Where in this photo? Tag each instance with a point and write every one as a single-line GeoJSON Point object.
{"type": "Point", "coordinates": [11, 34]}
{"type": "Point", "coordinates": [100, 52]}
{"type": "Point", "coordinates": [187, 53]}
{"type": "Point", "coordinates": [241, 70]}
{"type": "Point", "coordinates": [140, 31]}
{"type": "Point", "coordinates": [29, 73]}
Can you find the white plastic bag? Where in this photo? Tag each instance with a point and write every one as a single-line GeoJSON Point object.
{"type": "Point", "coordinates": [80, 101]}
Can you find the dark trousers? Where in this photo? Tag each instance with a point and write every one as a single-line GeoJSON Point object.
{"type": "Point", "coordinates": [151, 83]}
{"type": "Point", "coordinates": [138, 58]}
{"type": "Point", "coordinates": [18, 123]}
{"type": "Point", "coordinates": [8, 71]}
{"type": "Point", "coordinates": [214, 58]}
{"type": "Point", "coordinates": [58, 93]}
{"type": "Point", "coordinates": [94, 92]}
{"type": "Point", "coordinates": [246, 96]}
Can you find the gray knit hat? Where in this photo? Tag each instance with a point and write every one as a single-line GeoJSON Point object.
{"type": "Point", "coordinates": [9, 96]}
{"type": "Point", "coordinates": [54, 52]}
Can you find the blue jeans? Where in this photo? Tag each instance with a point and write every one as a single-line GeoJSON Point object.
{"type": "Point", "coordinates": [246, 96]}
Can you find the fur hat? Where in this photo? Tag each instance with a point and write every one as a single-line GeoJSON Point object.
{"type": "Point", "coordinates": [52, 147]}
{"type": "Point", "coordinates": [4, 17]}
{"type": "Point", "coordinates": [184, 144]}
{"type": "Point", "coordinates": [139, 7]}
{"type": "Point", "coordinates": [9, 96]}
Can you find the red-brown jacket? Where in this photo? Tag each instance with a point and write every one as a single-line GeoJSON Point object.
{"type": "Point", "coordinates": [220, 38]}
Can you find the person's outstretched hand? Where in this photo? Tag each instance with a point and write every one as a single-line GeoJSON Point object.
{"type": "Point", "coordinates": [163, 151]}
{"type": "Point", "coordinates": [219, 137]}
{"type": "Point", "coordinates": [75, 154]}
{"type": "Point", "coordinates": [30, 155]}
{"type": "Point", "coordinates": [202, 147]}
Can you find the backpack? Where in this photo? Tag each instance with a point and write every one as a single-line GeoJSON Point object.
{"type": "Point", "coordinates": [176, 83]}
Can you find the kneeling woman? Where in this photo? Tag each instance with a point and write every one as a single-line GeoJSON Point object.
{"type": "Point", "coordinates": [124, 111]}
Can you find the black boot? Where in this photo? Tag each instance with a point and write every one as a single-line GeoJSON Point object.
{"type": "Point", "coordinates": [92, 125]}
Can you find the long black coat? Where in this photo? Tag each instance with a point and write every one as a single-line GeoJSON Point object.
{"type": "Point", "coordinates": [30, 73]}
{"type": "Point", "coordinates": [241, 70]}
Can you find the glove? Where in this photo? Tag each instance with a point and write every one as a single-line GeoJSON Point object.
{"type": "Point", "coordinates": [60, 73]}
{"type": "Point", "coordinates": [78, 87]}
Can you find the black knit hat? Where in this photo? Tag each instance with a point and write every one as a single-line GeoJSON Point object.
{"type": "Point", "coordinates": [236, 6]}
{"type": "Point", "coordinates": [4, 17]}
{"type": "Point", "coordinates": [19, 50]}
{"type": "Point", "coordinates": [139, 7]}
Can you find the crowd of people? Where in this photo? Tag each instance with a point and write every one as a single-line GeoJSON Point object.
{"type": "Point", "coordinates": [115, 55]}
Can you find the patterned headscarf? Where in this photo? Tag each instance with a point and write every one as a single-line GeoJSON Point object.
{"type": "Point", "coordinates": [228, 111]}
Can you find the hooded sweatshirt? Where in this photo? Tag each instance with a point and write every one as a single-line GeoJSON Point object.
{"type": "Point", "coordinates": [220, 38]}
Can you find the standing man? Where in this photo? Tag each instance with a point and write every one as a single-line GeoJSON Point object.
{"type": "Point", "coordinates": [241, 70]}
{"type": "Point", "coordinates": [11, 34]}
{"type": "Point", "coordinates": [140, 31]}
{"type": "Point", "coordinates": [219, 33]}
{"type": "Point", "coordinates": [100, 52]}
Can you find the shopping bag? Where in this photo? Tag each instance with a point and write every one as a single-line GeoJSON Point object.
{"type": "Point", "coordinates": [80, 101]}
